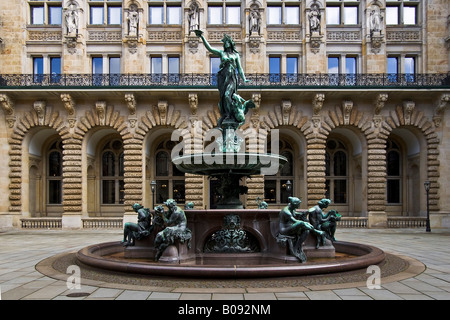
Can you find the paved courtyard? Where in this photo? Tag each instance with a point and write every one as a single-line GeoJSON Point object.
{"type": "Point", "coordinates": [22, 250]}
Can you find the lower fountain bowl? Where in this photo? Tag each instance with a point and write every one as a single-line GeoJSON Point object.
{"type": "Point", "coordinates": [355, 256]}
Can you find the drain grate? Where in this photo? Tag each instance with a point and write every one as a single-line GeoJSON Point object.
{"type": "Point", "coordinates": [78, 294]}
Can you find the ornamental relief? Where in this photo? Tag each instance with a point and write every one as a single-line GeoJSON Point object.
{"type": "Point", "coordinates": [165, 36]}
{"type": "Point", "coordinates": [44, 35]}
{"type": "Point", "coordinates": [403, 36]}
{"type": "Point", "coordinates": [284, 35]}
{"type": "Point", "coordinates": [105, 35]}
{"type": "Point", "coordinates": [218, 35]}
{"type": "Point", "coordinates": [344, 35]}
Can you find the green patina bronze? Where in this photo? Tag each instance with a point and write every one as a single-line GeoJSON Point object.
{"type": "Point", "coordinates": [232, 107]}
{"type": "Point", "coordinates": [174, 227]}
{"type": "Point", "coordinates": [136, 231]}
{"type": "Point", "coordinates": [325, 222]}
{"type": "Point", "coordinates": [294, 228]}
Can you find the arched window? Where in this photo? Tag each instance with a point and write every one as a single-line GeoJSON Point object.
{"type": "Point", "coordinates": [393, 173]}
{"type": "Point", "coordinates": [336, 171]}
{"type": "Point", "coordinates": [169, 180]}
{"type": "Point", "coordinates": [112, 173]}
{"type": "Point", "coordinates": [54, 173]}
{"type": "Point", "coordinates": [276, 186]}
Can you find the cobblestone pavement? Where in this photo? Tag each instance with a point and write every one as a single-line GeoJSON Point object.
{"type": "Point", "coordinates": [21, 250]}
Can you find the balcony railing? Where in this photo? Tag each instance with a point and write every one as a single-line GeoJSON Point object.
{"type": "Point", "coordinates": [207, 80]}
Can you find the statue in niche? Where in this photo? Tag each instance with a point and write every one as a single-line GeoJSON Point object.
{"type": "Point", "coordinates": [175, 229]}
{"type": "Point", "coordinates": [193, 14]}
{"type": "Point", "coordinates": [232, 107]}
{"type": "Point", "coordinates": [314, 18]}
{"type": "Point", "coordinates": [324, 222]}
{"type": "Point", "coordinates": [375, 19]}
{"type": "Point", "coordinates": [71, 18]}
{"type": "Point", "coordinates": [254, 21]}
{"type": "Point", "coordinates": [141, 229]}
{"type": "Point", "coordinates": [133, 21]}
{"type": "Point", "coordinates": [294, 228]}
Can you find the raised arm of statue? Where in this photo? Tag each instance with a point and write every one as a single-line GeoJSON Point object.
{"type": "Point", "coordinates": [199, 33]}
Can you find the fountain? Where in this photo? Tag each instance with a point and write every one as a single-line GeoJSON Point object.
{"type": "Point", "coordinates": [231, 241]}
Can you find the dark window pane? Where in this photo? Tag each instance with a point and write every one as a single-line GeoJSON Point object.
{"type": "Point", "coordinates": [109, 194]}
{"type": "Point", "coordinates": [393, 163]}
{"type": "Point", "coordinates": [54, 192]}
{"type": "Point", "coordinates": [340, 164]}
{"type": "Point", "coordinates": [287, 168]}
{"type": "Point", "coordinates": [178, 191]}
{"type": "Point", "coordinates": [327, 164]}
{"type": "Point", "coordinates": [393, 190]}
{"type": "Point", "coordinates": [340, 191]}
{"type": "Point", "coordinates": [327, 189]}
{"type": "Point", "coordinates": [54, 164]}
{"type": "Point", "coordinates": [162, 191]}
{"type": "Point", "coordinates": [108, 164]}
{"type": "Point", "coordinates": [121, 191]}
{"type": "Point", "coordinates": [284, 194]}
{"type": "Point", "coordinates": [121, 165]}
{"type": "Point", "coordinates": [162, 164]}
{"type": "Point", "coordinates": [270, 191]}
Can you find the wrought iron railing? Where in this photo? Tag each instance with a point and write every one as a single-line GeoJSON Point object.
{"type": "Point", "coordinates": [206, 80]}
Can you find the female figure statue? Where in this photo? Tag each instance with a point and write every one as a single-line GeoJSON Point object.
{"type": "Point", "coordinates": [232, 107]}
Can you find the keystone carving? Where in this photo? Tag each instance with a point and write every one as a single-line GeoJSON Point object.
{"type": "Point", "coordinates": [39, 107]}
{"type": "Point", "coordinates": [408, 107]}
{"type": "Point", "coordinates": [317, 103]}
{"type": "Point", "coordinates": [193, 103]}
{"type": "Point", "coordinates": [347, 107]}
{"type": "Point", "coordinates": [380, 101]}
{"type": "Point", "coordinates": [69, 103]}
{"type": "Point", "coordinates": [100, 108]}
{"type": "Point", "coordinates": [131, 103]}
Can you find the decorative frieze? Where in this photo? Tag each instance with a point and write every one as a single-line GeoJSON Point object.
{"type": "Point", "coordinates": [44, 35]}
{"type": "Point", "coordinates": [164, 35]}
{"type": "Point", "coordinates": [218, 35]}
{"type": "Point", "coordinates": [284, 36]}
{"type": "Point", "coordinates": [341, 36]}
{"type": "Point", "coordinates": [107, 36]}
{"type": "Point", "coordinates": [403, 36]}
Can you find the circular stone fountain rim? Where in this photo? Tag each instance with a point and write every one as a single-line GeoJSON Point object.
{"type": "Point", "coordinates": [93, 256]}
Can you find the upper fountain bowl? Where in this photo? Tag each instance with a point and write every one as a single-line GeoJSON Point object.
{"type": "Point", "coordinates": [237, 163]}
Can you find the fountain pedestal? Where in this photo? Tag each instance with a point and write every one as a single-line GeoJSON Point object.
{"type": "Point", "coordinates": [260, 225]}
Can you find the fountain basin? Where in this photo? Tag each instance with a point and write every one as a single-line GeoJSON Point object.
{"type": "Point", "coordinates": [99, 256]}
{"type": "Point", "coordinates": [270, 260]}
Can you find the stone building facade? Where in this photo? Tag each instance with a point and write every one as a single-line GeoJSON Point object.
{"type": "Point", "coordinates": [93, 91]}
